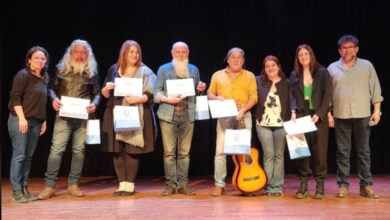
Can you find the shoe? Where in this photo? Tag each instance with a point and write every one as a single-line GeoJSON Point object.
{"type": "Point", "coordinates": [218, 191]}
{"type": "Point", "coordinates": [303, 192]}
{"type": "Point", "coordinates": [343, 192]}
{"type": "Point", "coordinates": [75, 191]}
{"type": "Point", "coordinates": [369, 193]}
{"type": "Point", "coordinates": [129, 189]}
{"type": "Point", "coordinates": [18, 196]}
{"type": "Point", "coordinates": [185, 190]}
{"type": "Point", "coordinates": [46, 193]}
{"type": "Point", "coordinates": [320, 192]}
{"type": "Point", "coordinates": [28, 195]}
{"type": "Point", "coordinates": [120, 189]}
{"type": "Point", "coordinates": [268, 193]}
{"type": "Point", "coordinates": [169, 191]}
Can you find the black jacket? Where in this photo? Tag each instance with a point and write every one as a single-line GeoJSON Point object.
{"type": "Point", "coordinates": [321, 91]}
{"type": "Point", "coordinates": [287, 100]}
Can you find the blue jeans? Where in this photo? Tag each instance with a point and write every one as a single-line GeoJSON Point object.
{"type": "Point", "coordinates": [177, 136]}
{"type": "Point", "coordinates": [273, 141]}
{"type": "Point", "coordinates": [63, 129]}
{"type": "Point", "coordinates": [23, 147]}
{"type": "Point", "coordinates": [220, 157]}
{"type": "Point", "coordinates": [344, 128]}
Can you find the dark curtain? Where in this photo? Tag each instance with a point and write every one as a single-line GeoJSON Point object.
{"type": "Point", "coordinates": [211, 28]}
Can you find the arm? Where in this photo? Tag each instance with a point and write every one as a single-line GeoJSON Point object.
{"type": "Point", "coordinates": [23, 124]}
{"type": "Point", "coordinates": [326, 96]}
{"type": "Point", "coordinates": [375, 91]}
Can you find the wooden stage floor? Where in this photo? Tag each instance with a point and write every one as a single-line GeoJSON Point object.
{"type": "Point", "coordinates": [147, 203]}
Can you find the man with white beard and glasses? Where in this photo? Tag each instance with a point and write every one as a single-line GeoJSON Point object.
{"type": "Point", "coordinates": [176, 114]}
{"type": "Point", "coordinates": [77, 77]}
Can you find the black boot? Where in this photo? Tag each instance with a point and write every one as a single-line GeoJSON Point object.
{"type": "Point", "coordinates": [28, 195]}
{"type": "Point", "coordinates": [303, 192]}
{"type": "Point", "coordinates": [320, 192]}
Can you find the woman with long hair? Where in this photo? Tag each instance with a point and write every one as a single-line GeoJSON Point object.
{"type": "Point", "coordinates": [311, 87]}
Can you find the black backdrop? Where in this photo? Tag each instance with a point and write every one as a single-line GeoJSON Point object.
{"type": "Point", "coordinates": [260, 27]}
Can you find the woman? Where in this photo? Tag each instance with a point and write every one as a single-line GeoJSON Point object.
{"type": "Point", "coordinates": [273, 108]}
{"type": "Point", "coordinates": [27, 118]}
{"type": "Point", "coordinates": [127, 146]}
{"type": "Point", "coordinates": [311, 86]}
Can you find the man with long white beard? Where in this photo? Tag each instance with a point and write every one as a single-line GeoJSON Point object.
{"type": "Point", "coordinates": [176, 114]}
{"type": "Point", "coordinates": [77, 77]}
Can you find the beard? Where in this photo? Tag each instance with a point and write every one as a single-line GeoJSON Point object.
{"type": "Point", "coordinates": [181, 67]}
{"type": "Point", "coordinates": [78, 68]}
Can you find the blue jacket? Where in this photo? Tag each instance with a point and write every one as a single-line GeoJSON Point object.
{"type": "Point", "coordinates": [166, 72]}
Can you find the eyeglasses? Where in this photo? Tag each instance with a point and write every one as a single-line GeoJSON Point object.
{"type": "Point", "coordinates": [347, 48]}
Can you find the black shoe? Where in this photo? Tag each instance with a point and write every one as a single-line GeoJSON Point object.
{"type": "Point", "coordinates": [303, 192]}
{"type": "Point", "coordinates": [185, 190]}
{"type": "Point", "coordinates": [18, 196]}
{"type": "Point", "coordinates": [28, 195]}
{"type": "Point", "coordinates": [169, 191]}
{"type": "Point", "coordinates": [117, 193]}
{"type": "Point", "coordinates": [128, 193]}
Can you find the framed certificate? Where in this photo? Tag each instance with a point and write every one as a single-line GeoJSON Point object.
{"type": "Point", "coordinates": [222, 109]}
{"type": "Point", "coordinates": [185, 87]}
{"type": "Point", "coordinates": [74, 107]}
{"type": "Point", "coordinates": [128, 86]}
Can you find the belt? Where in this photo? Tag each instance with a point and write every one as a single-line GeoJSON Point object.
{"type": "Point", "coordinates": [180, 107]}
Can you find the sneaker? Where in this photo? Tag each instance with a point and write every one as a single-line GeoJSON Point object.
{"type": "Point", "coordinates": [369, 193]}
{"type": "Point", "coordinates": [343, 192]}
{"type": "Point", "coordinates": [218, 191]}
{"type": "Point", "coordinates": [18, 196]}
{"type": "Point", "coordinates": [185, 190]}
{"type": "Point", "coordinates": [169, 191]}
{"type": "Point", "coordinates": [28, 195]}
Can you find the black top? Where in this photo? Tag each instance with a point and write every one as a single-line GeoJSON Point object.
{"type": "Point", "coordinates": [30, 92]}
{"type": "Point", "coordinates": [287, 100]}
{"type": "Point", "coordinates": [321, 91]}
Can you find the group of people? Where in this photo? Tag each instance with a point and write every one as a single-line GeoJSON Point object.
{"type": "Point", "coordinates": [339, 96]}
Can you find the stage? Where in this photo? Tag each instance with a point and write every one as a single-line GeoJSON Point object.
{"type": "Point", "coordinates": [147, 203]}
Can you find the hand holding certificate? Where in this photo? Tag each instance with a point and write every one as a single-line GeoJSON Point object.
{"type": "Point", "coordinates": [300, 126]}
{"type": "Point", "coordinates": [185, 87]}
{"type": "Point", "coordinates": [74, 107]}
{"type": "Point", "coordinates": [222, 109]}
{"type": "Point", "coordinates": [128, 86]}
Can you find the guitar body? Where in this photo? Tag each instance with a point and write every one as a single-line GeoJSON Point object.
{"type": "Point", "coordinates": [248, 176]}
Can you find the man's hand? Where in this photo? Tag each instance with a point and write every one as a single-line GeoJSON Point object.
{"type": "Point", "coordinates": [91, 108]}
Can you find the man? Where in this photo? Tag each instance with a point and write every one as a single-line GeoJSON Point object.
{"type": "Point", "coordinates": [176, 114]}
{"type": "Point", "coordinates": [77, 76]}
{"type": "Point", "coordinates": [239, 84]}
{"type": "Point", "coordinates": [355, 85]}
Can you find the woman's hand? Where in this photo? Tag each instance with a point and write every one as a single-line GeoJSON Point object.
{"type": "Point", "coordinates": [23, 125]}
{"type": "Point", "coordinates": [43, 128]}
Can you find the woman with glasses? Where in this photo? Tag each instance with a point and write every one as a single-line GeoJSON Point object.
{"type": "Point", "coordinates": [311, 87]}
{"type": "Point", "coordinates": [27, 118]}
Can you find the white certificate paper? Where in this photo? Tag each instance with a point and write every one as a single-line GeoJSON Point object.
{"type": "Point", "coordinates": [222, 109]}
{"type": "Point", "coordinates": [74, 107]}
{"type": "Point", "coordinates": [128, 86]}
{"type": "Point", "coordinates": [300, 126]}
{"type": "Point", "coordinates": [185, 87]}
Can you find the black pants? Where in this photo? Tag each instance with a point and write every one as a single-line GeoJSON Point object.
{"type": "Point", "coordinates": [318, 145]}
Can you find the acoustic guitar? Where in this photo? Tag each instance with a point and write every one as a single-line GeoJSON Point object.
{"type": "Point", "coordinates": [248, 176]}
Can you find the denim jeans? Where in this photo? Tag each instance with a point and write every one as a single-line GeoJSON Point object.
{"type": "Point", "coordinates": [273, 141]}
{"type": "Point", "coordinates": [344, 128]}
{"type": "Point", "coordinates": [23, 147]}
{"type": "Point", "coordinates": [63, 129]}
{"type": "Point", "coordinates": [220, 157]}
{"type": "Point", "coordinates": [177, 136]}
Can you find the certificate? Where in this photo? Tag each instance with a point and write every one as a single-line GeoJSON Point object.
{"type": "Point", "coordinates": [74, 107]}
{"type": "Point", "coordinates": [128, 86]}
{"type": "Point", "coordinates": [300, 126]}
{"type": "Point", "coordinates": [185, 87]}
{"type": "Point", "coordinates": [221, 109]}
